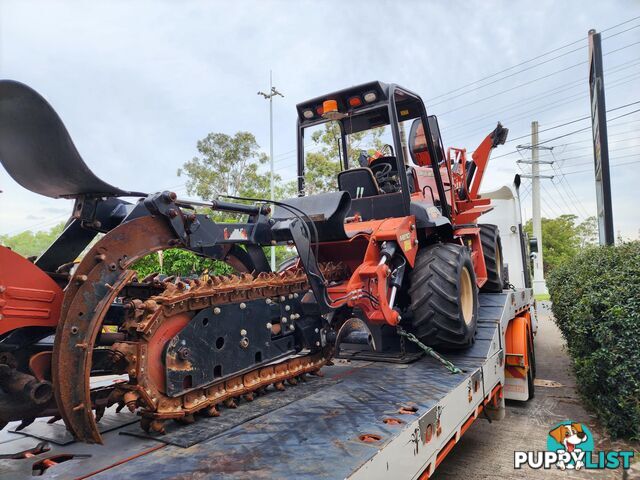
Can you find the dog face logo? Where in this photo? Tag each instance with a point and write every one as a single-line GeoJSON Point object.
{"type": "Point", "coordinates": [570, 441]}
{"type": "Point", "coordinates": [569, 435]}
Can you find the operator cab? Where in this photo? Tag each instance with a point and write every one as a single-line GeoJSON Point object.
{"type": "Point", "coordinates": [379, 140]}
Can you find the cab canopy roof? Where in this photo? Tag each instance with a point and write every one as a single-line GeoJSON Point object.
{"type": "Point", "coordinates": [366, 98]}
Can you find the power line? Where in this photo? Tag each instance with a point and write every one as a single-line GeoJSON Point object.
{"type": "Point", "coordinates": [611, 165]}
{"type": "Point", "coordinates": [567, 205]}
{"type": "Point", "coordinates": [546, 94]}
{"type": "Point", "coordinates": [589, 140]}
{"type": "Point", "coordinates": [548, 196]}
{"type": "Point", "coordinates": [508, 76]}
{"type": "Point", "coordinates": [531, 81]}
{"type": "Point", "coordinates": [631, 155]}
{"type": "Point", "coordinates": [573, 194]}
{"type": "Point", "coordinates": [536, 111]}
{"type": "Point", "coordinates": [586, 155]}
{"type": "Point", "coordinates": [511, 89]}
{"type": "Point", "coordinates": [587, 128]}
{"type": "Point", "coordinates": [558, 168]}
{"type": "Point", "coordinates": [535, 58]}
{"type": "Point", "coordinates": [578, 120]}
{"type": "Point", "coordinates": [567, 134]}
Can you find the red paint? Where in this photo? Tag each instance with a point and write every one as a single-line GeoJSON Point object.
{"type": "Point", "coordinates": [28, 296]}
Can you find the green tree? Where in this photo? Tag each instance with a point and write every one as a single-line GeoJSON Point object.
{"type": "Point", "coordinates": [229, 165]}
{"type": "Point", "coordinates": [563, 238]}
{"type": "Point", "coordinates": [30, 243]}
{"type": "Point", "coordinates": [588, 232]}
{"type": "Point", "coordinates": [179, 262]}
{"type": "Point", "coordinates": [322, 161]}
{"type": "Point", "coordinates": [225, 165]}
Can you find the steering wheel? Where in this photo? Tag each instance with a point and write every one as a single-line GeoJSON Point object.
{"type": "Point", "coordinates": [386, 177]}
{"type": "Point", "coordinates": [381, 171]}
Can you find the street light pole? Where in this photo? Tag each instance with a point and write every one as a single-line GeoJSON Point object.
{"type": "Point", "coordinates": [272, 93]}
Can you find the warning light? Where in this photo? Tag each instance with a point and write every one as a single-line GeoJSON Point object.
{"type": "Point", "coordinates": [355, 102]}
{"type": "Point", "coordinates": [370, 97]}
{"type": "Point", "coordinates": [330, 110]}
{"type": "Point", "coordinates": [330, 106]}
{"type": "Point", "coordinates": [308, 114]}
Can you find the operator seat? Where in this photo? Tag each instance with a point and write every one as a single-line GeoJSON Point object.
{"type": "Point", "coordinates": [358, 182]}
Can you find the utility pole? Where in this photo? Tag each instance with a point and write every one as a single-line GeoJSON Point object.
{"type": "Point", "coordinates": [272, 93]}
{"type": "Point", "coordinates": [539, 283]}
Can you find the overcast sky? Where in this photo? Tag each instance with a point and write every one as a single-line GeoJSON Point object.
{"type": "Point", "coordinates": [138, 83]}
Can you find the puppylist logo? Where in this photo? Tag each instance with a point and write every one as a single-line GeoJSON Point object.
{"type": "Point", "coordinates": [570, 446]}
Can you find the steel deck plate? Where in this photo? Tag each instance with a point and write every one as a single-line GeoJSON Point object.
{"type": "Point", "coordinates": [313, 437]}
{"type": "Point", "coordinates": [205, 428]}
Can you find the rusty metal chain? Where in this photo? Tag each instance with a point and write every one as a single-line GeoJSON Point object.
{"type": "Point", "coordinates": [147, 318]}
{"type": "Point", "coordinates": [430, 351]}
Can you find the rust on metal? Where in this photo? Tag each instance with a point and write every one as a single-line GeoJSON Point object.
{"type": "Point", "coordinates": [407, 410]}
{"type": "Point", "coordinates": [150, 324]}
{"type": "Point", "coordinates": [370, 438]}
{"type": "Point", "coordinates": [83, 309]}
{"type": "Point", "coordinates": [393, 421]}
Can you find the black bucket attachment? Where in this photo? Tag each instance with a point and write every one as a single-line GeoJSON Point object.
{"type": "Point", "coordinates": [37, 151]}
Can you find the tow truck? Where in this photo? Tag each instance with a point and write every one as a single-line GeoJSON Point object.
{"type": "Point", "coordinates": [370, 413]}
{"type": "Point", "coordinates": [348, 424]}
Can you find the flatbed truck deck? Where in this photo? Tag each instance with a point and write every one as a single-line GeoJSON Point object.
{"type": "Point", "coordinates": [368, 420]}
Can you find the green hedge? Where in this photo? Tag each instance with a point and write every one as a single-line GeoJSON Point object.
{"type": "Point", "coordinates": [596, 304]}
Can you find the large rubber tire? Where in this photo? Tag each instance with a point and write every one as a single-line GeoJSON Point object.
{"type": "Point", "coordinates": [531, 373]}
{"type": "Point", "coordinates": [492, 250]}
{"type": "Point", "coordinates": [444, 297]}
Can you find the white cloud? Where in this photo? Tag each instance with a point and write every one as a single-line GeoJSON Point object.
{"type": "Point", "coordinates": [137, 83]}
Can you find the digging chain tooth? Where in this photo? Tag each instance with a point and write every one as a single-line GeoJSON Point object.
{"type": "Point", "coordinates": [25, 423]}
{"type": "Point", "coordinates": [186, 420]}
{"type": "Point", "coordinates": [169, 289]}
{"type": "Point", "coordinates": [150, 306]}
{"type": "Point", "coordinates": [131, 400]}
{"type": "Point", "coordinates": [54, 419]}
{"type": "Point", "coordinates": [230, 403]}
{"type": "Point", "coordinates": [211, 411]}
{"type": "Point", "coordinates": [116, 396]}
{"type": "Point", "coordinates": [100, 412]}
{"type": "Point", "coordinates": [157, 426]}
{"type": "Point", "coordinates": [145, 423]}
